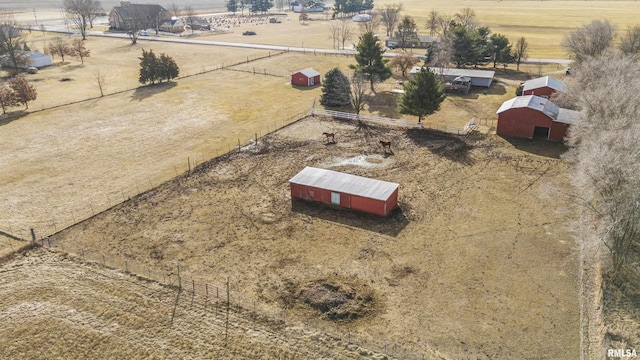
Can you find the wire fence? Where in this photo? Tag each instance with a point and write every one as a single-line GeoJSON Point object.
{"type": "Point", "coordinates": [216, 298]}
{"type": "Point", "coordinates": [97, 204]}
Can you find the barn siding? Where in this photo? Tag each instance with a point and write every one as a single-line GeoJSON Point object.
{"type": "Point", "coordinates": [544, 92]}
{"type": "Point", "coordinates": [347, 201]}
{"type": "Point", "coordinates": [521, 122]}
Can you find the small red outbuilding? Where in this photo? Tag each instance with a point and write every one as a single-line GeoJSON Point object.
{"type": "Point", "coordinates": [345, 190]}
{"type": "Point", "coordinates": [534, 116]}
{"type": "Point", "coordinates": [544, 86]}
{"type": "Point", "coordinates": [306, 77]}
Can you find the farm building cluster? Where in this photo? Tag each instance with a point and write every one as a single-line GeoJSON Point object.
{"type": "Point", "coordinates": [533, 114]}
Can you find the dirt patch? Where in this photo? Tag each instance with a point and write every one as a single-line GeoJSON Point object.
{"type": "Point", "coordinates": [339, 299]}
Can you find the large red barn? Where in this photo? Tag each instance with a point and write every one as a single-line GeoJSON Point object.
{"type": "Point", "coordinates": [543, 86]}
{"type": "Point", "coordinates": [534, 116]}
{"type": "Point", "coordinates": [345, 190]}
{"type": "Point", "coordinates": [306, 77]}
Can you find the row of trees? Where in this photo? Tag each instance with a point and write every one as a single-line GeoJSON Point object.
{"type": "Point", "coordinates": [352, 6]}
{"type": "Point", "coordinates": [596, 38]}
{"type": "Point", "coordinates": [61, 47]}
{"type": "Point", "coordinates": [423, 93]}
{"type": "Point", "coordinates": [604, 151]}
{"type": "Point", "coordinates": [16, 92]}
{"type": "Point", "coordinates": [464, 42]}
{"type": "Point", "coordinates": [254, 6]}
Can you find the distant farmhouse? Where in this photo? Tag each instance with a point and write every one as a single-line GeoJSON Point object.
{"type": "Point", "coordinates": [137, 16]}
{"type": "Point", "coordinates": [411, 40]}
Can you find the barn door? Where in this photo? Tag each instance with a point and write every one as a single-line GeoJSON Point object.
{"type": "Point", "coordinates": [311, 81]}
{"type": "Point", "coordinates": [335, 198]}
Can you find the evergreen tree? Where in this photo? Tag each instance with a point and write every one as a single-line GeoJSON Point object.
{"type": "Point", "coordinates": [406, 31]}
{"type": "Point", "coordinates": [423, 95]}
{"type": "Point", "coordinates": [369, 60]}
{"type": "Point", "coordinates": [232, 6]}
{"type": "Point", "coordinates": [148, 67]}
{"type": "Point", "coordinates": [167, 68]}
{"type": "Point", "coordinates": [336, 90]}
{"type": "Point", "coordinates": [500, 49]}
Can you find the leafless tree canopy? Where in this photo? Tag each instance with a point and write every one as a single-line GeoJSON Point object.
{"type": "Point", "coordinates": [630, 41]}
{"type": "Point", "coordinates": [590, 40]}
{"type": "Point", "coordinates": [605, 154]}
{"type": "Point", "coordinates": [390, 15]}
{"type": "Point", "coordinates": [404, 61]}
{"type": "Point", "coordinates": [11, 41]}
{"type": "Point", "coordinates": [520, 51]}
{"type": "Point", "coordinates": [347, 31]}
{"type": "Point", "coordinates": [175, 9]}
{"type": "Point", "coordinates": [60, 47]}
{"type": "Point", "coordinates": [360, 92]}
{"type": "Point", "coordinates": [82, 13]}
{"type": "Point", "coordinates": [467, 18]}
{"type": "Point", "coordinates": [432, 22]}
{"type": "Point", "coordinates": [371, 25]}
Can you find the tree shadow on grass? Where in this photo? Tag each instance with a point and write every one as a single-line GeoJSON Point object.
{"type": "Point", "coordinates": [12, 116]}
{"type": "Point", "coordinates": [384, 104]}
{"type": "Point", "coordinates": [452, 147]}
{"type": "Point", "coordinates": [146, 91]}
{"type": "Point", "coordinates": [390, 225]}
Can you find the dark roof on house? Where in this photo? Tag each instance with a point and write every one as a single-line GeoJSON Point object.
{"type": "Point", "coordinates": [345, 183]}
{"type": "Point", "coordinates": [545, 81]}
{"type": "Point", "coordinates": [427, 39]}
{"type": "Point", "coordinates": [309, 72]}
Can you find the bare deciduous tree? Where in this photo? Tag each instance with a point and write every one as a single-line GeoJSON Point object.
{"type": "Point", "coordinates": [334, 33]}
{"type": "Point", "coordinates": [190, 16]}
{"type": "Point", "coordinates": [100, 82]}
{"type": "Point", "coordinates": [432, 22]}
{"type": "Point", "coordinates": [630, 41]}
{"type": "Point", "coordinates": [390, 15]}
{"type": "Point", "coordinates": [11, 41]}
{"type": "Point", "coordinates": [82, 13]}
{"type": "Point", "coordinates": [604, 154]}
{"type": "Point", "coordinates": [372, 25]}
{"type": "Point", "coordinates": [7, 99]}
{"type": "Point", "coordinates": [590, 40]}
{"type": "Point", "coordinates": [23, 91]}
{"type": "Point", "coordinates": [404, 61]}
{"type": "Point", "coordinates": [467, 18]}
{"type": "Point", "coordinates": [79, 49]}
{"type": "Point", "coordinates": [59, 47]}
{"type": "Point", "coordinates": [360, 92]}
{"type": "Point", "coordinates": [520, 51]}
{"type": "Point", "coordinates": [346, 31]}
{"type": "Point", "coordinates": [175, 10]}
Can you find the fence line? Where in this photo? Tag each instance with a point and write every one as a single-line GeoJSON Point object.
{"type": "Point", "coordinates": [458, 130]}
{"type": "Point", "coordinates": [213, 298]}
{"type": "Point", "coordinates": [98, 205]}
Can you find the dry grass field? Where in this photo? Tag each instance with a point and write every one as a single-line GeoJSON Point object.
{"type": "Point", "coordinates": [477, 264]}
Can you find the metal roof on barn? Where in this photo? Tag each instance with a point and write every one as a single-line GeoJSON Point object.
{"type": "Point", "coordinates": [543, 105]}
{"type": "Point", "coordinates": [547, 81]}
{"type": "Point", "coordinates": [345, 183]}
{"type": "Point", "coordinates": [309, 72]}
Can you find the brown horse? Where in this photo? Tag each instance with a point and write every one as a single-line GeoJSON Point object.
{"type": "Point", "coordinates": [385, 145]}
{"type": "Point", "coordinates": [328, 136]}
